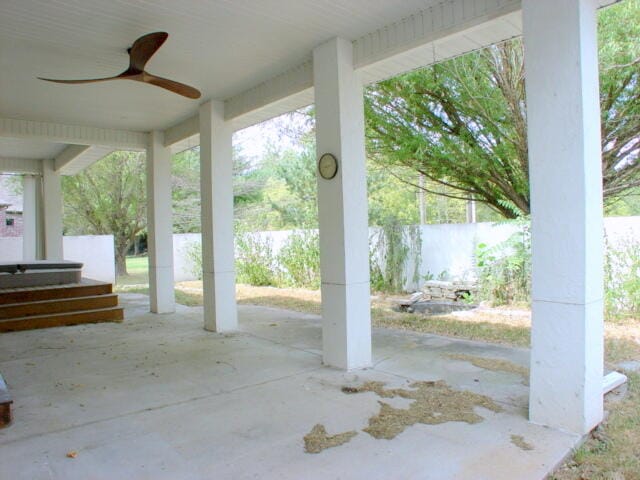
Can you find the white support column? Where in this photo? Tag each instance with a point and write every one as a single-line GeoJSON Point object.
{"type": "Point", "coordinates": [159, 225]}
{"type": "Point", "coordinates": [566, 211]}
{"type": "Point", "coordinates": [216, 189]}
{"type": "Point", "coordinates": [29, 217]}
{"type": "Point", "coordinates": [52, 209]}
{"type": "Point", "coordinates": [342, 208]}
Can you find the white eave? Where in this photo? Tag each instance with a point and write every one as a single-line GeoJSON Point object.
{"type": "Point", "coordinates": [441, 31]}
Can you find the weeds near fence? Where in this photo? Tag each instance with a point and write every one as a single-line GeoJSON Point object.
{"type": "Point", "coordinates": [504, 274]}
{"type": "Point", "coordinates": [622, 279]}
{"type": "Point", "coordinates": [299, 259]}
{"type": "Point", "coordinates": [395, 256]}
{"type": "Point", "coordinates": [255, 261]}
{"type": "Point", "coordinates": [504, 270]}
{"type": "Point", "coordinates": [193, 253]}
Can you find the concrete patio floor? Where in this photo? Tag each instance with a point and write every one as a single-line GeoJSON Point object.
{"type": "Point", "coordinates": [157, 397]}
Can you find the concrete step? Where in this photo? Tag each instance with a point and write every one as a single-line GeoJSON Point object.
{"type": "Point", "coordinates": [58, 305]}
{"type": "Point", "coordinates": [112, 314]}
{"type": "Point", "coordinates": [35, 294]}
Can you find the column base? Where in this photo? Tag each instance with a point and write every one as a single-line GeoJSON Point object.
{"type": "Point", "coordinates": [219, 295]}
{"type": "Point", "coordinates": [346, 325]}
{"type": "Point", "coordinates": [161, 290]}
{"type": "Point", "coordinates": [566, 365]}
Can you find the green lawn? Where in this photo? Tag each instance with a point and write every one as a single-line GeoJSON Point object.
{"type": "Point", "coordinates": [137, 265]}
{"type": "Point", "coordinates": [138, 272]}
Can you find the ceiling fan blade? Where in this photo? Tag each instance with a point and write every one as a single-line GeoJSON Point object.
{"type": "Point", "coordinates": [139, 54]}
{"type": "Point", "coordinates": [144, 48]}
{"type": "Point", "coordinates": [87, 80]}
{"type": "Point", "coordinates": [175, 87]}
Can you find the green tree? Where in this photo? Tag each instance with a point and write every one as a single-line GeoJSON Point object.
{"type": "Point", "coordinates": [625, 205]}
{"type": "Point", "coordinates": [462, 123]}
{"type": "Point", "coordinates": [108, 198]}
{"type": "Point", "coordinates": [390, 198]}
{"type": "Point", "coordinates": [185, 191]}
{"type": "Point", "coordinates": [292, 189]}
{"type": "Point", "coordinates": [185, 173]}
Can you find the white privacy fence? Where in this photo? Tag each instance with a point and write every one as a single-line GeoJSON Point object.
{"type": "Point", "coordinates": [447, 250]}
{"type": "Point", "coordinates": [184, 267]}
{"type": "Point", "coordinates": [96, 252]}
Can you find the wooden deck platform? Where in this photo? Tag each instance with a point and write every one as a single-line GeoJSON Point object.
{"type": "Point", "coordinates": [27, 308]}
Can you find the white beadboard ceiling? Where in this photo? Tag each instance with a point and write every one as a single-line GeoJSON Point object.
{"type": "Point", "coordinates": [221, 47]}
{"type": "Point", "coordinates": [19, 148]}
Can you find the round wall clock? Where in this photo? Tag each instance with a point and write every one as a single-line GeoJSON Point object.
{"type": "Point", "coordinates": [328, 166]}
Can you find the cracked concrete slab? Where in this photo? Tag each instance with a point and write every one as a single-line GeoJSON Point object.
{"type": "Point", "coordinates": [158, 397]}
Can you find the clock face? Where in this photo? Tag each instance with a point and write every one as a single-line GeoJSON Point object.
{"type": "Point", "coordinates": [328, 166]}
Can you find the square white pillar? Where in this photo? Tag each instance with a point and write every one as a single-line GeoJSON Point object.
{"type": "Point", "coordinates": [566, 213]}
{"type": "Point", "coordinates": [30, 186]}
{"type": "Point", "coordinates": [342, 208]}
{"type": "Point", "coordinates": [159, 225]}
{"type": "Point", "coordinates": [52, 208]}
{"type": "Point", "coordinates": [216, 190]}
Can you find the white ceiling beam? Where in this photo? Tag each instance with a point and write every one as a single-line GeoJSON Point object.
{"type": "Point", "coordinates": [446, 19]}
{"type": "Point", "coordinates": [74, 134]}
{"type": "Point", "coordinates": [68, 155]}
{"type": "Point", "coordinates": [444, 30]}
{"type": "Point", "coordinates": [436, 22]}
{"type": "Point", "coordinates": [20, 165]}
{"type": "Point", "coordinates": [294, 88]}
{"type": "Point", "coordinates": [182, 131]}
{"type": "Point", "coordinates": [186, 134]}
{"type": "Point", "coordinates": [270, 110]}
{"type": "Point", "coordinates": [84, 160]}
{"type": "Point", "coordinates": [185, 144]}
{"type": "Point", "coordinates": [284, 93]}
{"type": "Point", "coordinates": [295, 82]}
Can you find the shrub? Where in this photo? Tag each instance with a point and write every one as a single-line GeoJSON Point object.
{"type": "Point", "coordinates": [255, 262]}
{"type": "Point", "coordinates": [194, 255]}
{"type": "Point", "coordinates": [392, 247]}
{"type": "Point", "coordinates": [622, 279]}
{"type": "Point", "coordinates": [300, 259]}
{"type": "Point", "coordinates": [504, 270]}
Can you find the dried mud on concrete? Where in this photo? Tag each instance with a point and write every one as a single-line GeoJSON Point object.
{"type": "Point", "coordinates": [433, 403]}
{"type": "Point", "coordinates": [494, 364]}
{"type": "Point", "coordinates": [521, 443]}
{"type": "Point", "coordinates": [317, 439]}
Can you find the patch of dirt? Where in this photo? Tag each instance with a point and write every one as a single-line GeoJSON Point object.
{"type": "Point", "coordinates": [434, 403]}
{"type": "Point", "coordinates": [519, 441]}
{"type": "Point", "coordinates": [378, 389]}
{"type": "Point", "coordinates": [318, 440]}
{"type": "Point", "coordinates": [494, 364]}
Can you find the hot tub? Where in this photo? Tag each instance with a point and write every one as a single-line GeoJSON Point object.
{"type": "Point", "coordinates": [38, 273]}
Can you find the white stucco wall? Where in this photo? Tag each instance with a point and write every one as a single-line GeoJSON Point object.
{"type": "Point", "coordinates": [619, 229]}
{"type": "Point", "coordinates": [451, 248]}
{"type": "Point", "coordinates": [94, 251]}
{"type": "Point", "coordinates": [10, 249]}
{"type": "Point", "coordinates": [448, 248]}
{"type": "Point", "coordinates": [183, 266]}
{"type": "Point", "coordinates": [97, 254]}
